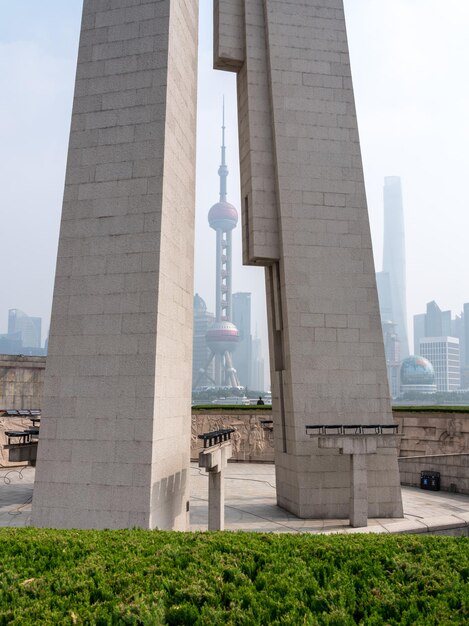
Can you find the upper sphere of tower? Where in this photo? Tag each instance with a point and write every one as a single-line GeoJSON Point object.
{"type": "Point", "coordinates": [223, 215]}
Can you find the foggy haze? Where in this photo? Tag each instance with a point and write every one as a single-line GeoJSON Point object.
{"type": "Point", "coordinates": [409, 65]}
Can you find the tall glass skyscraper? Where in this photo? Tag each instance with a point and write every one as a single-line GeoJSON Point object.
{"type": "Point", "coordinates": [394, 257]}
{"type": "Point", "coordinates": [242, 357]}
{"type": "Point", "coordinates": [29, 328]}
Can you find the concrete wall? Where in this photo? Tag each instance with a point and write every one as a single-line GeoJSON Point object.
{"type": "Point", "coordinates": [424, 432]}
{"type": "Point", "coordinates": [252, 440]}
{"type": "Point", "coordinates": [21, 381]}
{"type": "Point", "coordinates": [453, 468]}
{"type": "Point", "coordinates": [429, 432]}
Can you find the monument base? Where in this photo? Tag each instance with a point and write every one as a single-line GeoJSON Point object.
{"type": "Point", "coordinates": [318, 485]}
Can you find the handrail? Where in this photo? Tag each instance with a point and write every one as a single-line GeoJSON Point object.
{"type": "Point", "coordinates": [217, 436]}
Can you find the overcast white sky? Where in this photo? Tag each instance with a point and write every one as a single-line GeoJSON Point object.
{"type": "Point", "coordinates": [410, 62]}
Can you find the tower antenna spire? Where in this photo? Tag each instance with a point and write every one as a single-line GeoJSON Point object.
{"type": "Point", "coordinates": [223, 169]}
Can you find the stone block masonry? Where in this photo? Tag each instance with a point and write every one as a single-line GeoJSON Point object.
{"type": "Point", "coordinates": [305, 219]}
{"type": "Point", "coordinates": [115, 438]}
{"type": "Point", "coordinates": [21, 381]}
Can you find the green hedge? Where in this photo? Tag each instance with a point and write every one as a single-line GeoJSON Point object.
{"type": "Point", "coordinates": [431, 409]}
{"type": "Point", "coordinates": [268, 407]}
{"type": "Point", "coordinates": [142, 577]}
{"type": "Point", "coordinates": [252, 408]}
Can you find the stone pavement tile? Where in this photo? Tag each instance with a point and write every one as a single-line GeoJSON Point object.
{"type": "Point", "coordinates": [440, 522]}
{"type": "Point", "coordinates": [16, 492]}
{"type": "Point", "coordinates": [404, 525]}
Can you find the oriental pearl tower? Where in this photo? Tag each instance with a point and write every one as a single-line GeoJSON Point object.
{"type": "Point", "coordinates": [223, 335]}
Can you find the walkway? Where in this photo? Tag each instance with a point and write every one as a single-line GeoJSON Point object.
{"type": "Point", "coordinates": [250, 505]}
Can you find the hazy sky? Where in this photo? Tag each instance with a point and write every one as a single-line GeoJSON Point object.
{"type": "Point", "coordinates": [410, 61]}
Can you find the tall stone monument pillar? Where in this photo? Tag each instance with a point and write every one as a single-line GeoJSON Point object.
{"type": "Point", "coordinates": [114, 449]}
{"type": "Point", "coordinates": [305, 219]}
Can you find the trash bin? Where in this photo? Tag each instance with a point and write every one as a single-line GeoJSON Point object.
{"type": "Point", "coordinates": [430, 481]}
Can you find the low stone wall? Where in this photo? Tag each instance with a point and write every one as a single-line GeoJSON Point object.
{"type": "Point", "coordinates": [252, 439]}
{"type": "Point", "coordinates": [453, 469]}
{"type": "Point", "coordinates": [423, 432]}
{"type": "Point", "coordinates": [429, 432]}
{"type": "Point", "coordinates": [21, 381]}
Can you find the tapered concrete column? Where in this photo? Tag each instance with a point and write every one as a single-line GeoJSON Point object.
{"type": "Point", "coordinates": [214, 461]}
{"type": "Point", "coordinates": [305, 219]}
{"type": "Point", "coordinates": [115, 436]}
{"type": "Point", "coordinates": [358, 491]}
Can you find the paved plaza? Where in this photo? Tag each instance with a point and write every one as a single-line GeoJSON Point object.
{"type": "Point", "coordinates": [250, 505]}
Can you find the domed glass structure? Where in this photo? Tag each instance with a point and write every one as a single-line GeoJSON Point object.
{"type": "Point", "coordinates": [417, 374]}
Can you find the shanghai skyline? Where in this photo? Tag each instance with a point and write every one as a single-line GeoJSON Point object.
{"type": "Point", "coordinates": [411, 104]}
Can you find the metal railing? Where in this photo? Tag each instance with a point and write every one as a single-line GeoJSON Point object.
{"type": "Point", "coordinates": [216, 437]}
{"type": "Point", "coordinates": [352, 429]}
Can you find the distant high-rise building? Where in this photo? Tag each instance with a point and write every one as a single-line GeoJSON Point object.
{"type": "Point", "coordinates": [392, 348]}
{"type": "Point", "coordinates": [466, 334]}
{"type": "Point", "coordinates": [443, 354]}
{"type": "Point", "coordinates": [241, 317]}
{"type": "Point", "coordinates": [257, 369]}
{"type": "Point", "coordinates": [28, 327]}
{"type": "Point", "coordinates": [11, 344]}
{"type": "Point", "coordinates": [419, 331]}
{"type": "Point", "coordinates": [24, 335]}
{"type": "Point", "coordinates": [457, 330]}
{"type": "Point", "coordinates": [383, 282]}
{"type": "Point", "coordinates": [203, 371]}
{"type": "Point", "coordinates": [394, 261]}
{"type": "Point", "coordinates": [437, 322]}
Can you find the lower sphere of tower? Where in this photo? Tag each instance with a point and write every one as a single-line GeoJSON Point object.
{"type": "Point", "coordinates": [222, 337]}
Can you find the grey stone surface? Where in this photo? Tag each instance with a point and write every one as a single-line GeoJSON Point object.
{"type": "Point", "coordinates": [21, 381]}
{"type": "Point", "coordinates": [252, 439]}
{"type": "Point", "coordinates": [432, 432]}
{"type": "Point", "coordinates": [251, 506]}
{"type": "Point", "coordinates": [215, 460]}
{"type": "Point", "coordinates": [305, 218]}
{"type": "Point", "coordinates": [453, 470]}
{"type": "Point", "coordinates": [115, 435]}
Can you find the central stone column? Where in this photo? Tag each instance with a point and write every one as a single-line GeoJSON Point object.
{"type": "Point", "coordinates": [305, 219]}
{"type": "Point", "coordinates": [115, 436]}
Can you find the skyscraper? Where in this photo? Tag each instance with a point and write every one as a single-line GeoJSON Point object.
{"type": "Point", "coordinates": [201, 373]}
{"type": "Point", "coordinates": [242, 357]}
{"type": "Point", "coordinates": [29, 328]}
{"type": "Point", "coordinates": [437, 322]}
{"type": "Point", "coordinates": [443, 354]}
{"type": "Point", "coordinates": [257, 367]}
{"type": "Point", "coordinates": [394, 256]}
{"type": "Point", "coordinates": [383, 283]}
{"type": "Point", "coordinates": [466, 335]}
{"type": "Point", "coordinates": [419, 331]}
{"type": "Point", "coordinates": [392, 349]}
